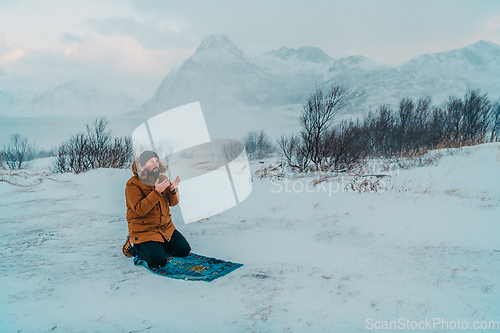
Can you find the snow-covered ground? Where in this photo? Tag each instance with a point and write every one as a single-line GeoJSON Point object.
{"type": "Point", "coordinates": [316, 258]}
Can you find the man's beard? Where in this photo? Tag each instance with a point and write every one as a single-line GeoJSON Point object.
{"type": "Point", "coordinates": [155, 174]}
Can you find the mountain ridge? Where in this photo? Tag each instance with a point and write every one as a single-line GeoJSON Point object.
{"type": "Point", "coordinates": [223, 78]}
{"type": "Point", "coordinates": [277, 78]}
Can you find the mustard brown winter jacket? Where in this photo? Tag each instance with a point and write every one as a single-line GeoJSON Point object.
{"type": "Point", "coordinates": [148, 211]}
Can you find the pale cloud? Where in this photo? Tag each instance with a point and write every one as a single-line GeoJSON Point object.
{"type": "Point", "coordinates": [492, 32]}
{"type": "Point", "coordinates": [40, 69]}
{"type": "Point", "coordinates": [112, 25]}
{"type": "Point", "coordinates": [488, 30]}
{"type": "Point", "coordinates": [173, 25]}
{"type": "Point", "coordinates": [11, 56]}
{"type": "Point", "coordinates": [156, 34]}
{"type": "Point", "coordinates": [493, 23]}
{"type": "Point", "coordinates": [121, 59]}
{"type": "Point", "coordinates": [46, 60]}
{"type": "Point", "coordinates": [69, 38]}
{"type": "Point", "coordinates": [69, 52]}
{"type": "Point", "coordinates": [124, 53]}
{"type": "Point", "coordinates": [8, 55]}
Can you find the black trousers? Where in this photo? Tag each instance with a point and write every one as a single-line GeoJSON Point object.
{"type": "Point", "coordinates": [155, 253]}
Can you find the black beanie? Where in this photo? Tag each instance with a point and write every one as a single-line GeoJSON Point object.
{"type": "Point", "coordinates": [146, 156]}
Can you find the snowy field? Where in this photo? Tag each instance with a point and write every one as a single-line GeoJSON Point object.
{"type": "Point", "coordinates": [425, 245]}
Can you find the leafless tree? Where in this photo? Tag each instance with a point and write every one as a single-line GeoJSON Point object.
{"type": "Point", "coordinates": [455, 117]}
{"type": "Point", "coordinates": [99, 141]}
{"type": "Point", "coordinates": [476, 110]}
{"type": "Point", "coordinates": [420, 131]}
{"type": "Point", "coordinates": [18, 154]}
{"type": "Point", "coordinates": [383, 127]}
{"type": "Point", "coordinates": [436, 127]}
{"type": "Point", "coordinates": [406, 114]}
{"type": "Point", "coordinates": [494, 120]}
{"type": "Point", "coordinates": [231, 150]}
{"type": "Point", "coordinates": [294, 152]}
{"type": "Point", "coordinates": [318, 113]}
{"type": "Point", "coordinates": [258, 145]}
{"type": "Point", "coordinates": [412, 120]}
{"type": "Point", "coordinates": [120, 153]}
{"type": "Point", "coordinates": [344, 146]}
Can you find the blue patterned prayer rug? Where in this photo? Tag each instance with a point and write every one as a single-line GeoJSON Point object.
{"type": "Point", "coordinates": [193, 267]}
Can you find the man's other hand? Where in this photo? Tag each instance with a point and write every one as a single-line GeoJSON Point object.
{"type": "Point", "coordinates": [174, 184]}
{"type": "Point", "coordinates": [160, 187]}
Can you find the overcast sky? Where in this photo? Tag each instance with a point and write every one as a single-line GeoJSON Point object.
{"type": "Point", "coordinates": [137, 43]}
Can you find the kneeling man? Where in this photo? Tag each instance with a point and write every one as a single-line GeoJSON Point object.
{"type": "Point", "coordinates": [149, 195]}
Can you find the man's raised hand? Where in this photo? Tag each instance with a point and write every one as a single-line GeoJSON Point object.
{"type": "Point", "coordinates": [160, 187]}
{"type": "Point", "coordinates": [174, 184]}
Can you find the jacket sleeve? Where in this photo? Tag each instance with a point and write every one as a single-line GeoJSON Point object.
{"type": "Point", "coordinates": [135, 199]}
{"type": "Point", "coordinates": [173, 199]}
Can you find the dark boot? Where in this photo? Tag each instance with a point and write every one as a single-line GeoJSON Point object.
{"type": "Point", "coordinates": [127, 247]}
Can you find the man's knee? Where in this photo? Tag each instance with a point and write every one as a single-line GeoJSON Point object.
{"type": "Point", "coordinates": [184, 251]}
{"type": "Point", "coordinates": [153, 253]}
{"type": "Point", "coordinates": [155, 261]}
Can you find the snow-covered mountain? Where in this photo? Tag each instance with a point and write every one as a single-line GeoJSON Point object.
{"type": "Point", "coordinates": [80, 97]}
{"type": "Point", "coordinates": [218, 73]}
{"type": "Point", "coordinates": [273, 84]}
{"type": "Point", "coordinates": [222, 77]}
{"type": "Point", "coordinates": [476, 65]}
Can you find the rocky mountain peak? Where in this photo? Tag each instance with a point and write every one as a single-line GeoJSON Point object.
{"type": "Point", "coordinates": [304, 53]}
{"type": "Point", "coordinates": [218, 46]}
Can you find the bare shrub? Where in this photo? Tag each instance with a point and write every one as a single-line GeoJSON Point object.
{"type": "Point", "coordinates": [231, 150]}
{"type": "Point", "coordinates": [258, 145]}
{"type": "Point", "coordinates": [405, 134]}
{"type": "Point", "coordinates": [343, 147]}
{"type": "Point", "coordinates": [366, 183]}
{"type": "Point", "coordinates": [476, 110]}
{"type": "Point", "coordinates": [18, 154]}
{"type": "Point", "coordinates": [294, 152]}
{"type": "Point", "coordinates": [95, 149]}
{"type": "Point", "coordinates": [494, 121]}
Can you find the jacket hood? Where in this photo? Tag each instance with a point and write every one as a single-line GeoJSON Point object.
{"type": "Point", "coordinates": [143, 175]}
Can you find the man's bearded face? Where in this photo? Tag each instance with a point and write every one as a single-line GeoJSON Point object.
{"type": "Point", "coordinates": [152, 167]}
{"type": "Point", "coordinates": [155, 172]}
